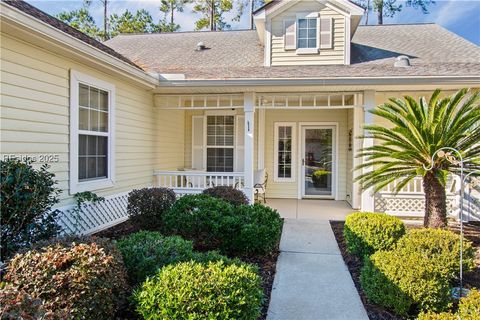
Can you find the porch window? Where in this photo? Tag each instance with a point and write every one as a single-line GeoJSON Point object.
{"type": "Point", "coordinates": [284, 152]}
{"type": "Point", "coordinates": [91, 153]}
{"type": "Point", "coordinates": [220, 143]}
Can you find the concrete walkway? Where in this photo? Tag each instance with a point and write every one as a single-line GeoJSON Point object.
{"type": "Point", "coordinates": [312, 281]}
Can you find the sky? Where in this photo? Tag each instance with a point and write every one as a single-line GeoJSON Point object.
{"type": "Point", "coordinates": [459, 16]}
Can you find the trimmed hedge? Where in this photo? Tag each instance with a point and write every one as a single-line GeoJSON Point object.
{"type": "Point", "coordinates": [366, 233]}
{"type": "Point", "coordinates": [468, 309]}
{"type": "Point", "coordinates": [227, 193]}
{"type": "Point", "coordinates": [215, 224]}
{"type": "Point", "coordinates": [193, 291]}
{"type": "Point", "coordinates": [254, 229]}
{"type": "Point", "coordinates": [145, 252]}
{"type": "Point", "coordinates": [404, 283]}
{"type": "Point", "coordinates": [441, 247]}
{"type": "Point", "coordinates": [76, 278]}
{"type": "Point", "coordinates": [146, 206]}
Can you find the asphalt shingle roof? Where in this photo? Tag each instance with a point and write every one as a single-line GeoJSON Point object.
{"type": "Point", "coordinates": [434, 51]}
{"type": "Point", "coordinates": [54, 22]}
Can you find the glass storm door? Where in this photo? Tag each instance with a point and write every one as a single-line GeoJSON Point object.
{"type": "Point", "coordinates": [318, 162]}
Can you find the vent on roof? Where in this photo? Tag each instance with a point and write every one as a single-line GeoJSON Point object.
{"type": "Point", "coordinates": [402, 62]}
{"type": "Point", "coordinates": [200, 46]}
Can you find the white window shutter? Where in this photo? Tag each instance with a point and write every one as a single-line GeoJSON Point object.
{"type": "Point", "coordinates": [198, 142]}
{"type": "Point", "coordinates": [326, 33]}
{"type": "Point", "coordinates": [239, 143]}
{"type": "Point", "coordinates": [290, 34]}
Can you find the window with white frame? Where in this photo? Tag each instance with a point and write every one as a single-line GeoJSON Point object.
{"type": "Point", "coordinates": [307, 33]}
{"type": "Point", "coordinates": [284, 152]}
{"type": "Point", "coordinates": [220, 143]}
{"type": "Point", "coordinates": [92, 104]}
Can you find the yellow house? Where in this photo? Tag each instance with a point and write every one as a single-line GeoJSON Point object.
{"type": "Point", "coordinates": [196, 109]}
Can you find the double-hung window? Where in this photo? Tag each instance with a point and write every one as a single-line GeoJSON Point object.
{"type": "Point", "coordinates": [220, 143]}
{"type": "Point", "coordinates": [91, 123]}
{"type": "Point", "coordinates": [307, 33]}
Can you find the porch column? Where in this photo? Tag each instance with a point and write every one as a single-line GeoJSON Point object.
{"type": "Point", "coordinates": [358, 117]}
{"type": "Point", "coordinates": [368, 200]}
{"type": "Point", "coordinates": [249, 108]}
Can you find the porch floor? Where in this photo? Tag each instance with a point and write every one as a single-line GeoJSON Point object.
{"type": "Point", "coordinates": [311, 209]}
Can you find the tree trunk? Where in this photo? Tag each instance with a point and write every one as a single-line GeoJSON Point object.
{"type": "Point", "coordinates": [171, 15]}
{"type": "Point", "coordinates": [380, 15]}
{"type": "Point", "coordinates": [435, 202]}
{"type": "Point", "coordinates": [368, 11]}
{"type": "Point", "coordinates": [105, 27]}
{"type": "Point", "coordinates": [212, 15]}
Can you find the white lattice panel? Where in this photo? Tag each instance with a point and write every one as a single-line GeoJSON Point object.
{"type": "Point", "coordinates": [406, 205]}
{"type": "Point", "coordinates": [94, 217]}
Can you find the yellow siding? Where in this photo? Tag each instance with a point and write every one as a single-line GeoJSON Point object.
{"type": "Point", "coordinates": [290, 189]}
{"type": "Point", "coordinates": [35, 115]}
{"type": "Point", "coordinates": [336, 55]}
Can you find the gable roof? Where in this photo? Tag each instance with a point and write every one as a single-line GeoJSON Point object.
{"type": "Point", "coordinates": [433, 51]}
{"type": "Point", "coordinates": [54, 22]}
{"type": "Point", "coordinates": [275, 2]}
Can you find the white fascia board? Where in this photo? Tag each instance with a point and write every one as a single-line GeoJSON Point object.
{"type": "Point", "coordinates": [352, 7]}
{"type": "Point", "coordinates": [46, 31]}
{"type": "Point", "coordinates": [370, 81]}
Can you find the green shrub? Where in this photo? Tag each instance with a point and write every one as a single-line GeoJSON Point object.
{"type": "Point", "coordinates": [367, 232]}
{"type": "Point", "coordinates": [215, 224]}
{"type": "Point", "coordinates": [227, 193]}
{"type": "Point", "coordinates": [26, 199]}
{"type": "Point", "coordinates": [201, 291]}
{"type": "Point", "coordinates": [145, 252]}
{"type": "Point", "coordinates": [146, 206]}
{"type": "Point", "coordinates": [441, 247]}
{"type": "Point", "coordinates": [253, 229]}
{"type": "Point", "coordinates": [469, 307]}
{"type": "Point", "coordinates": [17, 304]}
{"type": "Point", "coordinates": [404, 283]}
{"type": "Point", "coordinates": [197, 218]}
{"type": "Point", "coordinates": [437, 316]}
{"type": "Point", "coordinates": [83, 278]}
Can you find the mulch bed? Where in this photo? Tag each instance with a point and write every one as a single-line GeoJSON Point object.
{"type": "Point", "coordinates": [266, 264]}
{"type": "Point", "coordinates": [354, 264]}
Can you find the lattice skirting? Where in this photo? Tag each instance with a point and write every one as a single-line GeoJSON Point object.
{"type": "Point", "coordinates": [408, 206]}
{"type": "Point", "coordinates": [94, 217]}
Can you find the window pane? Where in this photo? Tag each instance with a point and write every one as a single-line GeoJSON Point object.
{"type": "Point", "coordinates": [91, 167]}
{"type": "Point", "coordinates": [103, 122]}
{"type": "Point", "coordinates": [101, 168]}
{"type": "Point", "coordinates": [82, 145]}
{"type": "Point", "coordinates": [83, 118]}
{"type": "Point", "coordinates": [302, 43]}
{"type": "Point", "coordinates": [312, 23]}
{"type": "Point", "coordinates": [92, 145]}
{"type": "Point", "coordinates": [312, 43]}
{"type": "Point", "coordinates": [103, 100]}
{"type": "Point", "coordinates": [94, 119]}
{"type": "Point", "coordinates": [94, 98]}
{"type": "Point", "coordinates": [83, 95]}
{"type": "Point", "coordinates": [302, 33]}
{"type": "Point", "coordinates": [312, 33]}
{"type": "Point", "coordinates": [302, 23]}
{"type": "Point", "coordinates": [82, 168]}
{"type": "Point", "coordinates": [102, 146]}
{"type": "Point", "coordinates": [220, 159]}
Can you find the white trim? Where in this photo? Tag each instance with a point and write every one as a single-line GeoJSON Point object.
{"type": "Point", "coordinates": [220, 112]}
{"type": "Point", "coordinates": [268, 43]}
{"type": "Point", "coordinates": [307, 15]}
{"type": "Point", "coordinates": [301, 184]}
{"type": "Point", "coordinates": [75, 186]}
{"type": "Point", "coordinates": [302, 51]}
{"type": "Point", "coordinates": [276, 178]}
{"type": "Point", "coordinates": [347, 41]}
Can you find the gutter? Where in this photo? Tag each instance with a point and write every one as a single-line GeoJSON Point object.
{"type": "Point", "coordinates": [417, 80]}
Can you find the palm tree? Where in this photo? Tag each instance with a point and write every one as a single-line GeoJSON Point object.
{"type": "Point", "coordinates": [418, 130]}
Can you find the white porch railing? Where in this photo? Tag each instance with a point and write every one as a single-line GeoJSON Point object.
{"type": "Point", "coordinates": [186, 182]}
{"type": "Point", "coordinates": [410, 200]}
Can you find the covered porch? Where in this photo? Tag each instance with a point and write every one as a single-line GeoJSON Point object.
{"type": "Point", "coordinates": [303, 142]}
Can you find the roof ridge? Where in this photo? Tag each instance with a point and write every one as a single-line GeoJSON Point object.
{"type": "Point", "coordinates": [181, 32]}
{"type": "Point", "coordinates": [399, 24]}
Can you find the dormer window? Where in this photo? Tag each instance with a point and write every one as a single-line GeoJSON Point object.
{"type": "Point", "coordinates": [307, 33]}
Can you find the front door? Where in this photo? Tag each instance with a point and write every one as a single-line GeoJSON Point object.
{"type": "Point", "coordinates": [318, 161]}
